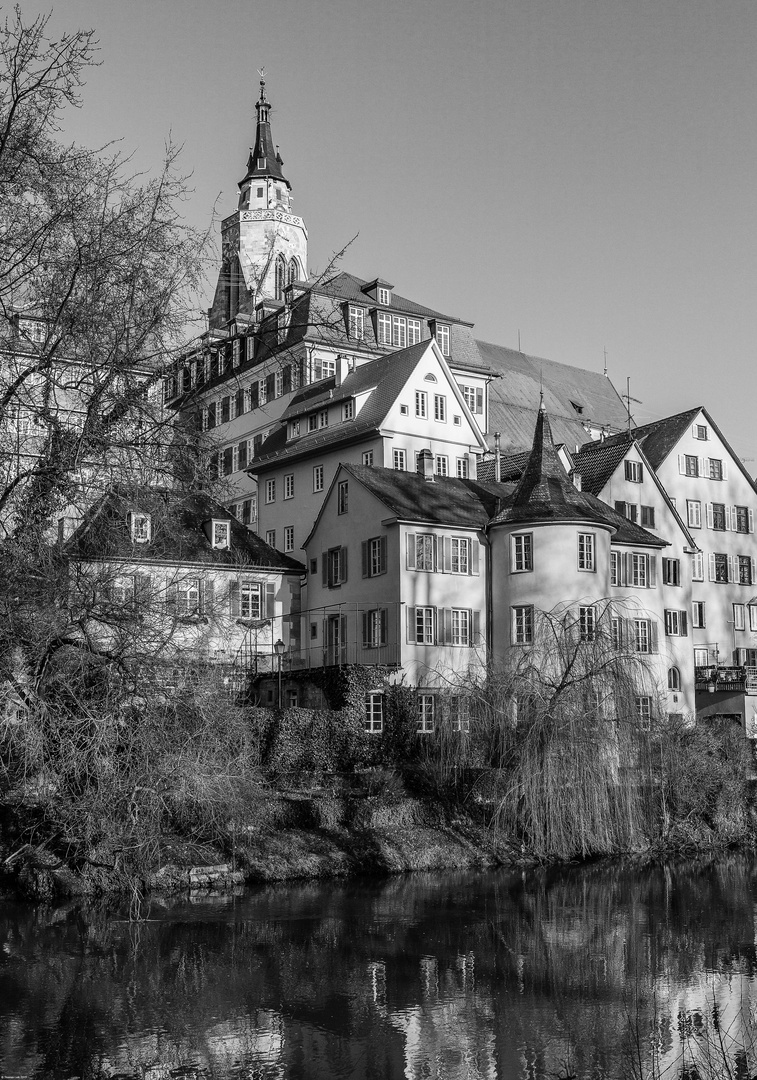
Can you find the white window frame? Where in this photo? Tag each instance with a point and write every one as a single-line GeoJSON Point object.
{"type": "Point", "coordinates": [425, 618]}
{"type": "Point", "coordinates": [289, 538]}
{"type": "Point", "coordinates": [289, 486]}
{"type": "Point", "coordinates": [441, 465]}
{"type": "Point", "coordinates": [440, 408]}
{"type": "Point", "coordinates": [318, 478]}
{"type": "Point", "coordinates": [441, 333]}
{"type": "Point", "coordinates": [367, 457]}
{"type": "Point", "coordinates": [587, 622]}
{"type": "Point", "coordinates": [698, 614]}
{"type": "Point", "coordinates": [399, 460]}
{"type": "Point", "coordinates": [250, 600]}
{"type": "Point", "coordinates": [460, 554]}
{"type": "Point", "coordinates": [140, 527]}
{"type": "Point", "coordinates": [384, 328]}
{"type": "Point", "coordinates": [522, 624]}
{"type": "Point", "coordinates": [642, 636]}
{"type": "Point", "coordinates": [220, 532]}
{"type": "Point", "coordinates": [460, 626]}
{"type": "Point", "coordinates": [739, 617]}
{"type": "Point", "coordinates": [694, 513]}
{"type": "Point", "coordinates": [421, 404]}
{"type": "Point", "coordinates": [356, 323]}
{"type": "Point", "coordinates": [587, 562]}
{"type": "Point", "coordinates": [342, 496]}
{"type": "Point", "coordinates": [462, 468]}
{"type": "Point", "coordinates": [413, 331]}
{"type": "Point", "coordinates": [270, 491]}
{"type": "Point", "coordinates": [521, 553]}
{"type": "Point", "coordinates": [426, 710]}
{"type": "Point", "coordinates": [188, 596]}
{"type": "Point", "coordinates": [373, 723]}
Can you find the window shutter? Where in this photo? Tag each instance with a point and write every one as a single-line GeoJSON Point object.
{"type": "Point", "coordinates": [411, 624]}
{"type": "Point", "coordinates": [703, 465]}
{"type": "Point", "coordinates": [366, 628]}
{"type": "Point", "coordinates": [324, 569]}
{"type": "Point", "coordinates": [627, 568]}
{"type": "Point", "coordinates": [711, 561]}
{"type": "Point", "coordinates": [234, 598]}
{"type": "Point", "coordinates": [652, 571]}
{"type": "Point", "coordinates": [476, 627]}
{"type": "Point", "coordinates": [733, 568]}
{"type": "Point", "coordinates": [446, 555]}
{"type": "Point", "coordinates": [682, 464]}
{"type": "Point", "coordinates": [479, 400]}
{"type": "Point", "coordinates": [446, 626]}
{"type": "Point", "coordinates": [752, 569]}
{"type": "Point", "coordinates": [172, 596]}
{"type": "Point", "coordinates": [751, 520]}
{"type": "Point", "coordinates": [384, 621]}
{"type": "Point", "coordinates": [342, 564]}
{"type": "Point", "coordinates": [382, 554]}
{"type": "Point", "coordinates": [270, 599]}
{"type": "Point", "coordinates": [724, 467]}
{"type": "Point", "coordinates": [142, 589]}
{"type": "Point", "coordinates": [435, 548]}
{"type": "Point", "coordinates": [474, 552]}
{"type": "Point", "coordinates": [727, 518]}
{"type": "Point", "coordinates": [694, 431]}
{"type": "Point", "coordinates": [434, 627]}
{"type": "Point", "coordinates": [641, 473]}
{"type": "Point", "coordinates": [684, 624]}
{"type": "Point", "coordinates": [653, 635]}
{"type": "Point", "coordinates": [710, 516]}
{"type": "Point", "coordinates": [364, 548]}
{"type": "Point", "coordinates": [411, 551]}
{"type": "Point", "coordinates": [668, 622]}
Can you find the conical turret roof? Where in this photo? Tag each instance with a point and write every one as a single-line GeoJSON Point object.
{"type": "Point", "coordinates": [545, 492]}
{"type": "Point", "coordinates": [264, 159]}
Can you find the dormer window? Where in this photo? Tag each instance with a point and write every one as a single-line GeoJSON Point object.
{"type": "Point", "coordinates": [356, 327]}
{"type": "Point", "coordinates": [348, 410]}
{"type": "Point", "coordinates": [294, 429]}
{"type": "Point", "coordinates": [139, 526]}
{"type": "Point", "coordinates": [579, 408]}
{"type": "Point", "coordinates": [221, 535]}
{"type": "Point", "coordinates": [384, 296]}
{"type": "Point", "coordinates": [441, 333]}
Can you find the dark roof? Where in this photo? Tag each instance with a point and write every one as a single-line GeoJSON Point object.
{"type": "Point", "coordinates": [659, 438]}
{"type": "Point", "coordinates": [264, 149]}
{"type": "Point", "coordinates": [177, 534]}
{"type": "Point", "coordinates": [388, 374]}
{"type": "Point", "coordinates": [350, 287]}
{"type": "Point", "coordinates": [597, 461]}
{"type": "Point", "coordinates": [511, 467]}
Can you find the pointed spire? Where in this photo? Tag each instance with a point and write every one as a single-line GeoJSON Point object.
{"type": "Point", "coordinates": [264, 159]}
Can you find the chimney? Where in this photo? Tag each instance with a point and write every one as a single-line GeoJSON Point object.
{"type": "Point", "coordinates": [577, 480]}
{"type": "Point", "coordinates": [426, 465]}
{"type": "Point", "coordinates": [497, 468]}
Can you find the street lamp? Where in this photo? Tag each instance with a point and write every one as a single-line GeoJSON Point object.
{"type": "Point", "coordinates": [279, 648]}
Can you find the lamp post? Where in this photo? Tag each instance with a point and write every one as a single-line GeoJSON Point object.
{"type": "Point", "coordinates": [279, 648]}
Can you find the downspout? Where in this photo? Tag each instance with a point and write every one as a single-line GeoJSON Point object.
{"type": "Point", "coordinates": [497, 464]}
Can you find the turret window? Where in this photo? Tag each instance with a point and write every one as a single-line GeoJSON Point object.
{"type": "Point", "coordinates": [280, 277]}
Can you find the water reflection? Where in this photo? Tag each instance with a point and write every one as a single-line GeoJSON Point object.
{"type": "Point", "coordinates": [563, 972]}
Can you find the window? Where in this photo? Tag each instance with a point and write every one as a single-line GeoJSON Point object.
{"type": "Point", "coordinates": [523, 625]}
{"type": "Point", "coordinates": [521, 553]}
{"type": "Point", "coordinates": [420, 404]}
{"type": "Point", "coordinates": [413, 331]}
{"type": "Point", "coordinates": [460, 626]}
{"type": "Point", "coordinates": [671, 571]}
{"type": "Point", "coordinates": [374, 712]}
{"type": "Point", "coordinates": [644, 709]}
{"type": "Point", "coordinates": [374, 556]}
{"type": "Point", "coordinates": [399, 331]}
{"type": "Point", "coordinates": [674, 679]}
{"type": "Point", "coordinates": [404, 410]}
{"type": "Point", "coordinates": [270, 538]}
{"type": "Point", "coordinates": [188, 596]}
{"type": "Point", "coordinates": [399, 459]}
{"type": "Point", "coordinates": [289, 538]}
{"type": "Point", "coordinates": [634, 472]}
{"type": "Point", "coordinates": [440, 408]}
{"type": "Point", "coordinates": [462, 468]}
{"type": "Point", "coordinates": [384, 323]}
{"type": "Point", "coordinates": [739, 617]}
{"type": "Point", "coordinates": [375, 628]}
{"type": "Point", "coordinates": [716, 469]}
{"type": "Point", "coordinates": [717, 517]}
{"type": "Point", "coordinates": [318, 478]}
{"type": "Point", "coordinates": [614, 568]}
{"type": "Point", "coordinates": [140, 528]}
{"type": "Point", "coordinates": [647, 517]}
{"type": "Point", "coordinates": [441, 333]}
{"type": "Point", "coordinates": [357, 323]}
{"type": "Point", "coordinates": [697, 566]}
{"type": "Point", "coordinates": [289, 486]}
{"type": "Point", "coordinates": [250, 603]}
{"type": "Point", "coordinates": [752, 617]}
{"type": "Point", "coordinates": [368, 457]}
{"type": "Point", "coordinates": [334, 566]}
{"type": "Point", "coordinates": [642, 636]}
{"type": "Point", "coordinates": [425, 714]}
{"type": "Point", "coordinates": [586, 551]}
{"type": "Point", "coordinates": [348, 410]}
{"type": "Point", "coordinates": [473, 397]}
{"type": "Point", "coordinates": [342, 496]}
{"type": "Point", "coordinates": [270, 491]}
{"type": "Point", "coordinates": [694, 513]}
{"type": "Point", "coordinates": [587, 623]}
{"type": "Point", "coordinates": [383, 296]}
{"type": "Point", "coordinates": [616, 631]}
{"type": "Point", "coordinates": [424, 551]}
{"type": "Point", "coordinates": [221, 533]}
{"type": "Point", "coordinates": [442, 465]}
{"type": "Point", "coordinates": [313, 422]}
{"type": "Point", "coordinates": [640, 570]}
{"type": "Point", "coordinates": [676, 623]}
{"type": "Point", "coordinates": [691, 465]}
{"type": "Point", "coordinates": [719, 568]}
{"type": "Point", "coordinates": [422, 632]}
{"type": "Point", "coordinates": [697, 615]}
{"type": "Point", "coordinates": [628, 510]}
{"type": "Point", "coordinates": [700, 431]}
{"type": "Point", "coordinates": [459, 554]}
{"type": "Point", "coordinates": [458, 710]}
{"type": "Point", "coordinates": [324, 367]}
{"type": "Point", "coordinates": [742, 519]}
{"type": "Point", "coordinates": [745, 570]}
{"type": "Point", "coordinates": [701, 657]}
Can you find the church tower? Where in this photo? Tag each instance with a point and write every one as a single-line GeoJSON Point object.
{"type": "Point", "coordinates": [264, 245]}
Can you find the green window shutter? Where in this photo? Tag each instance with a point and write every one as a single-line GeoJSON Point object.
{"type": "Point", "coordinates": [270, 599]}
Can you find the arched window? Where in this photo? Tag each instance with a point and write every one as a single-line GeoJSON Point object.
{"type": "Point", "coordinates": [280, 277]}
{"type": "Point", "coordinates": [293, 273]}
{"type": "Point", "coordinates": [674, 679]}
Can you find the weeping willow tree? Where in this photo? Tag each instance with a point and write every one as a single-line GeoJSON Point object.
{"type": "Point", "coordinates": [569, 722]}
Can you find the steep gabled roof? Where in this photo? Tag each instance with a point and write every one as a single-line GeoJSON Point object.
{"type": "Point", "coordinates": [597, 461]}
{"type": "Point", "coordinates": [350, 287]}
{"type": "Point", "coordinates": [658, 438]}
{"type": "Point", "coordinates": [177, 534]}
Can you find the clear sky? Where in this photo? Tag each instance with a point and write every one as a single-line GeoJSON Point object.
{"type": "Point", "coordinates": [581, 171]}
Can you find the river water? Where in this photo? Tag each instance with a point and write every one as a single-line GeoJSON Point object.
{"type": "Point", "coordinates": [607, 970]}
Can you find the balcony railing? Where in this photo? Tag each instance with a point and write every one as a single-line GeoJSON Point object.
{"type": "Point", "coordinates": [734, 679]}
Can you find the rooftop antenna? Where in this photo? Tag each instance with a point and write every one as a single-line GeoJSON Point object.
{"type": "Point", "coordinates": [605, 371]}
{"type": "Point", "coordinates": [628, 399]}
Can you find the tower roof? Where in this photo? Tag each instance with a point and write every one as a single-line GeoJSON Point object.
{"type": "Point", "coordinates": [264, 159]}
{"type": "Point", "coordinates": [545, 492]}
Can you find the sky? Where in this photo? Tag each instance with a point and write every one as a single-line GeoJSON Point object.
{"type": "Point", "coordinates": [579, 174]}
